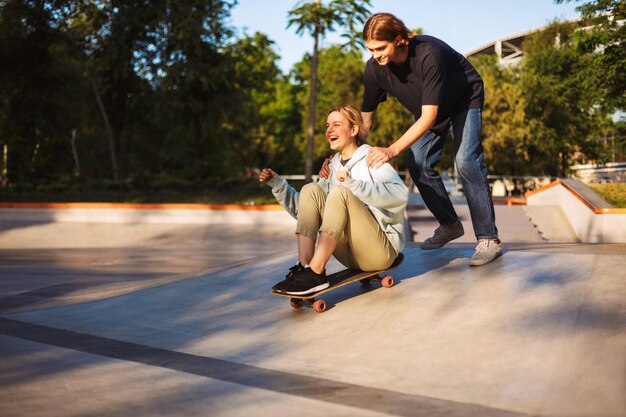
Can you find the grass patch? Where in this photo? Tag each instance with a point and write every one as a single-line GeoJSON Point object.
{"type": "Point", "coordinates": [613, 193]}
{"type": "Point", "coordinates": [247, 191]}
{"type": "Point", "coordinates": [263, 196]}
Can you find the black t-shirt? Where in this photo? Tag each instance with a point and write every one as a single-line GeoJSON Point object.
{"type": "Point", "coordinates": [433, 73]}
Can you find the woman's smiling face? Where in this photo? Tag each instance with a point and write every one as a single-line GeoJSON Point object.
{"type": "Point", "coordinates": [339, 133]}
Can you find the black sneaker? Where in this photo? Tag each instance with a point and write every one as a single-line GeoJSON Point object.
{"type": "Point", "coordinates": [305, 282]}
{"type": "Point", "coordinates": [297, 267]}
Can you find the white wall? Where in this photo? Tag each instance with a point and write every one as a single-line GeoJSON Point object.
{"type": "Point", "coordinates": [590, 227]}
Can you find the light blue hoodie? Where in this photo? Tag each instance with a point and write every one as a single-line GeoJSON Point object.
{"type": "Point", "coordinates": [381, 189]}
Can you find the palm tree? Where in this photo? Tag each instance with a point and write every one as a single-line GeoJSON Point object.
{"type": "Point", "coordinates": [318, 19]}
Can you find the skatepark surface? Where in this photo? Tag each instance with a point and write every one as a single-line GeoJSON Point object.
{"type": "Point", "coordinates": [177, 320]}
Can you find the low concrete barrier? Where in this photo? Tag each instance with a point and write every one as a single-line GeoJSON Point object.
{"type": "Point", "coordinates": [144, 213]}
{"type": "Point", "coordinates": [591, 224]}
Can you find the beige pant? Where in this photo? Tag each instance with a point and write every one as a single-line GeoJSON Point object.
{"type": "Point", "coordinates": [361, 243]}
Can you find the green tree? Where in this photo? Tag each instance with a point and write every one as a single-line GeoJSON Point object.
{"type": "Point", "coordinates": [195, 73]}
{"type": "Point", "coordinates": [163, 59]}
{"type": "Point", "coordinates": [604, 40]}
{"type": "Point", "coordinates": [40, 99]}
{"type": "Point", "coordinates": [542, 115]}
{"type": "Point", "coordinates": [261, 120]}
{"type": "Point", "coordinates": [507, 132]}
{"type": "Point", "coordinates": [155, 89]}
{"type": "Point", "coordinates": [560, 102]}
{"type": "Point", "coordinates": [318, 19]}
{"type": "Point", "coordinates": [281, 121]}
{"type": "Point", "coordinates": [109, 35]}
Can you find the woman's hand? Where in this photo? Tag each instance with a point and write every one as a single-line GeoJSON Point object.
{"type": "Point", "coordinates": [266, 175]}
{"type": "Point", "coordinates": [342, 175]}
{"type": "Point", "coordinates": [325, 170]}
{"type": "Point", "coordinates": [376, 157]}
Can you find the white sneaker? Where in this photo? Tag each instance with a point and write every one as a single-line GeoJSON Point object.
{"type": "Point", "coordinates": [486, 251]}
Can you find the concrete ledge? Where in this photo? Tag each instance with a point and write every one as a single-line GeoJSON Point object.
{"type": "Point", "coordinates": [144, 213]}
{"type": "Point", "coordinates": [590, 223]}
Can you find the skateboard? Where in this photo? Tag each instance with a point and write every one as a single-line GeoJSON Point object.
{"type": "Point", "coordinates": [338, 280]}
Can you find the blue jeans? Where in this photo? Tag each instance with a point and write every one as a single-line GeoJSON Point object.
{"type": "Point", "coordinates": [425, 154]}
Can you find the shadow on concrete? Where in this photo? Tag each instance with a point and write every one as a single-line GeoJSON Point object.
{"type": "Point", "coordinates": [572, 316]}
{"type": "Point", "coordinates": [241, 375]}
{"type": "Point", "coordinates": [223, 324]}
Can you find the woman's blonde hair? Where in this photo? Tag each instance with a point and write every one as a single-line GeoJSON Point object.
{"type": "Point", "coordinates": [354, 117]}
{"type": "Point", "coordinates": [386, 27]}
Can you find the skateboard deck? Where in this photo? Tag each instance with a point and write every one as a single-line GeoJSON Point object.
{"type": "Point", "coordinates": [341, 279]}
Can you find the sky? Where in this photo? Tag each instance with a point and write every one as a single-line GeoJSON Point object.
{"type": "Point", "coordinates": [463, 24]}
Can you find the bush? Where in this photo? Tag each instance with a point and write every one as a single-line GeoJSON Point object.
{"type": "Point", "coordinates": [160, 189]}
{"type": "Point", "coordinates": [613, 193]}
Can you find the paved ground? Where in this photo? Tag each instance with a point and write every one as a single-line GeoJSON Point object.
{"type": "Point", "coordinates": [145, 320]}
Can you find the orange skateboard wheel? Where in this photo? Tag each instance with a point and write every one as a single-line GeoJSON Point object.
{"type": "Point", "coordinates": [320, 306]}
{"type": "Point", "coordinates": [387, 281]}
{"type": "Point", "coordinates": [295, 303]}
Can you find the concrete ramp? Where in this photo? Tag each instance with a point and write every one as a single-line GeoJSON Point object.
{"type": "Point", "coordinates": [551, 222]}
{"type": "Point", "coordinates": [591, 218]}
{"type": "Point", "coordinates": [540, 331]}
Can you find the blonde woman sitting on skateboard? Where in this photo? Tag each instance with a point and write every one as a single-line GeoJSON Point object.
{"type": "Point", "coordinates": [356, 214]}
